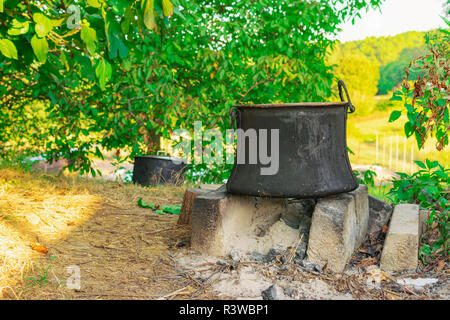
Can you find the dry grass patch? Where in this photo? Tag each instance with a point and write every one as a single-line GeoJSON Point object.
{"type": "Point", "coordinates": [90, 223]}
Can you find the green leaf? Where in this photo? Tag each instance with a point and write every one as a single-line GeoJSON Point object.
{"type": "Point", "coordinates": [431, 164]}
{"type": "Point", "coordinates": [43, 24]}
{"type": "Point", "coordinates": [426, 249]}
{"type": "Point", "coordinates": [103, 73]}
{"type": "Point", "coordinates": [408, 128]}
{"type": "Point", "coordinates": [18, 27]}
{"type": "Point", "coordinates": [441, 174]}
{"type": "Point", "coordinates": [418, 140]}
{"type": "Point", "coordinates": [432, 191]}
{"type": "Point", "coordinates": [40, 48]}
{"type": "Point", "coordinates": [8, 49]}
{"type": "Point", "coordinates": [94, 3]}
{"type": "Point", "coordinates": [350, 150]}
{"type": "Point", "coordinates": [167, 8]}
{"type": "Point", "coordinates": [149, 14]}
{"type": "Point", "coordinates": [420, 164]}
{"type": "Point", "coordinates": [89, 36]}
{"type": "Point", "coordinates": [1, 5]}
{"type": "Point", "coordinates": [58, 22]}
{"type": "Point", "coordinates": [395, 115]}
{"type": "Point", "coordinates": [125, 26]}
{"type": "Point", "coordinates": [437, 245]}
{"type": "Point", "coordinates": [175, 209]}
{"type": "Point", "coordinates": [142, 204]}
{"type": "Point", "coordinates": [114, 36]}
{"type": "Point", "coordinates": [396, 98]}
{"type": "Point", "coordinates": [64, 61]}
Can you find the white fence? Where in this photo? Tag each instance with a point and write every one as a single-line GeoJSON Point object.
{"type": "Point", "coordinates": [395, 152]}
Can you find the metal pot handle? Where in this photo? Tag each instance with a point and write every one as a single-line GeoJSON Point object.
{"type": "Point", "coordinates": [235, 117]}
{"type": "Point", "coordinates": [341, 85]}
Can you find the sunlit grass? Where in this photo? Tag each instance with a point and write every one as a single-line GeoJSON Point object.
{"type": "Point", "coordinates": [381, 192]}
{"type": "Point", "coordinates": [361, 139]}
{"type": "Point", "coordinates": [36, 210]}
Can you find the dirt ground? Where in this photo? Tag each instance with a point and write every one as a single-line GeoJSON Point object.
{"type": "Point", "coordinates": [123, 251]}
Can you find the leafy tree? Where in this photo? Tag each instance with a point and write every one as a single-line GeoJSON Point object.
{"type": "Point", "coordinates": [382, 49]}
{"type": "Point", "coordinates": [427, 108]}
{"type": "Point", "coordinates": [389, 54]}
{"type": "Point", "coordinates": [427, 102]}
{"type": "Point", "coordinates": [392, 73]}
{"type": "Point", "coordinates": [127, 72]}
{"type": "Point", "coordinates": [360, 72]}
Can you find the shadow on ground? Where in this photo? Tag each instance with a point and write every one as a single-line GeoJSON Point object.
{"type": "Point", "coordinates": [122, 251]}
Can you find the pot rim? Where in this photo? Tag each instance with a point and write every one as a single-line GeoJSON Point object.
{"type": "Point", "coordinates": [296, 104]}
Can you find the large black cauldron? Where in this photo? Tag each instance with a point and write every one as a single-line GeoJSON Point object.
{"type": "Point", "coordinates": [154, 169]}
{"type": "Point", "coordinates": [313, 158]}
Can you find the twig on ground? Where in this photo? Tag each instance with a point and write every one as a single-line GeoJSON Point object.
{"type": "Point", "coordinates": [174, 293]}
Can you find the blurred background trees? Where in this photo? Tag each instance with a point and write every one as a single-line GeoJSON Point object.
{"type": "Point", "coordinates": [119, 74]}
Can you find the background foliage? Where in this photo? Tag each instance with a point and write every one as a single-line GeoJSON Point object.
{"type": "Point", "coordinates": [375, 65]}
{"type": "Point", "coordinates": [118, 74]}
{"type": "Point", "coordinates": [426, 104]}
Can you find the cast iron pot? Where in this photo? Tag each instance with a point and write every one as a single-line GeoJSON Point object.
{"type": "Point", "coordinates": [313, 157]}
{"type": "Point", "coordinates": [155, 169]}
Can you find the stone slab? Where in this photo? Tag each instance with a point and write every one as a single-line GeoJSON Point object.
{"type": "Point", "coordinates": [402, 240]}
{"type": "Point", "coordinates": [211, 186]}
{"type": "Point", "coordinates": [224, 223]}
{"type": "Point", "coordinates": [338, 227]}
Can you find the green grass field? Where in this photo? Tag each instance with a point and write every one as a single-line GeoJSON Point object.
{"type": "Point", "coordinates": [362, 131]}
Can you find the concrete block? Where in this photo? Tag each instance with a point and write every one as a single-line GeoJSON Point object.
{"type": "Point", "coordinates": [211, 186]}
{"type": "Point", "coordinates": [402, 240]}
{"type": "Point", "coordinates": [222, 223]}
{"type": "Point", "coordinates": [361, 198]}
{"type": "Point", "coordinates": [338, 227]}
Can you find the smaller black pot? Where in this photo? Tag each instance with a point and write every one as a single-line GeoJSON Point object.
{"type": "Point", "coordinates": [153, 170]}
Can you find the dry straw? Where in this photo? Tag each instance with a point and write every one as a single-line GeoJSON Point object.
{"type": "Point", "coordinates": [94, 224]}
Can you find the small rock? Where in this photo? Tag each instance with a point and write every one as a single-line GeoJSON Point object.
{"type": "Point", "coordinates": [273, 254]}
{"type": "Point", "coordinates": [300, 253]}
{"type": "Point", "coordinates": [182, 243]}
{"type": "Point", "coordinates": [257, 256]}
{"type": "Point", "coordinates": [270, 293]}
{"type": "Point", "coordinates": [311, 266]}
{"type": "Point", "coordinates": [289, 292]}
{"type": "Point", "coordinates": [417, 284]}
